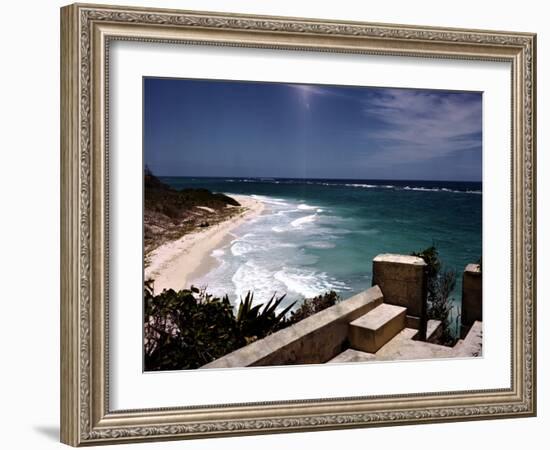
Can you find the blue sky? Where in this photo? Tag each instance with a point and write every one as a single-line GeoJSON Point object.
{"type": "Point", "coordinates": [250, 129]}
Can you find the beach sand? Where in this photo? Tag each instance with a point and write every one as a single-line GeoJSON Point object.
{"type": "Point", "coordinates": [177, 263]}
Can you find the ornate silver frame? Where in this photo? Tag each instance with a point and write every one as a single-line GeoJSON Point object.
{"type": "Point", "coordinates": [86, 31]}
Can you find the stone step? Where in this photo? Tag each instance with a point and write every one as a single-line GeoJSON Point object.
{"type": "Point", "coordinates": [351, 355]}
{"type": "Point", "coordinates": [471, 345]}
{"type": "Point", "coordinates": [434, 329]}
{"type": "Point", "coordinates": [403, 346]}
{"type": "Point", "coordinates": [371, 331]}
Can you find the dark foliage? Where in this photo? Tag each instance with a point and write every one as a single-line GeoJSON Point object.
{"type": "Point", "coordinates": [169, 213]}
{"type": "Point", "coordinates": [190, 328]}
{"type": "Point", "coordinates": [161, 198]}
{"type": "Point", "coordinates": [441, 284]}
{"type": "Point", "coordinates": [313, 305]}
{"type": "Point", "coordinates": [255, 322]}
{"type": "Point", "coordinates": [187, 329]}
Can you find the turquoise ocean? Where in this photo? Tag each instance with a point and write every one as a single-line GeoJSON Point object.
{"type": "Point", "coordinates": [317, 235]}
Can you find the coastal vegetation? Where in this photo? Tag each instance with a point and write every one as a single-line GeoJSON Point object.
{"type": "Point", "coordinates": [255, 322]}
{"type": "Point", "coordinates": [440, 286]}
{"type": "Point", "coordinates": [313, 305]}
{"type": "Point", "coordinates": [190, 328]}
{"type": "Point", "coordinates": [170, 213]}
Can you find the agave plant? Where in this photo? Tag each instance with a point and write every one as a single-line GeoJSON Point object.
{"type": "Point", "coordinates": [255, 322]}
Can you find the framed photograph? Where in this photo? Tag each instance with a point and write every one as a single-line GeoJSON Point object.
{"type": "Point", "coordinates": [274, 224]}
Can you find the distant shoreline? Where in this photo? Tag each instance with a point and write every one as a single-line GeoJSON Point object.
{"type": "Point", "coordinates": [175, 264]}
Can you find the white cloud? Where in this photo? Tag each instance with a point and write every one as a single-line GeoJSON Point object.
{"type": "Point", "coordinates": [408, 125]}
{"type": "Point", "coordinates": [419, 125]}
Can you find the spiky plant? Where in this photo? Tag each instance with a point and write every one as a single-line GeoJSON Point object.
{"type": "Point", "coordinates": [255, 322]}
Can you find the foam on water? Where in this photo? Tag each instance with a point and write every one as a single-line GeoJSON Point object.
{"type": "Point", "coordinates": [273, 254]}
{"type": "Point", "coordinates": [305, 207]}
{"type": "Point", "coordinates": [241, 247]}
{"type": "Point", "coordinates": [321, 244]}
{"type": "Point", "coordinates": [307, 283]}
{"type": "Point", "coordinates": [425, 189]}
{"type": "Point", "coordinates": [253, 277]}
{"type": "Point", "coordinates": [303, 220]}
{"type": "Point", "coordinates": [336, 183]}
{"type": "Point", "coordinates": [269, 200]}
{"type": "Point", "coordinates": [286, 212]}
{"type": "Point", "coordinates": [362, 185]}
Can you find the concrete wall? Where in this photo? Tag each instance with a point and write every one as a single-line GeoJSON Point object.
{"type": "Point", "coordinates": [314, 340]}
{"type": "Point", "coordinates": [472, 297]}
{"type": "Point", "coordinates": [402, 280]}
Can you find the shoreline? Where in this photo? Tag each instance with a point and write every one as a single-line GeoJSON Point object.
{"type": "Point", "coordinates": [175, 264]}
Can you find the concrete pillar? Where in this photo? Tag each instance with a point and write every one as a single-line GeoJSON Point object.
{"type": "Point", "coordinates": [471, 297]}
{"type": "Point", "coordinates": [402, 280]}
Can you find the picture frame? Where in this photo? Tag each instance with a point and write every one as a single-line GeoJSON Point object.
{"type": "Point", "coordinates": [87, 32]}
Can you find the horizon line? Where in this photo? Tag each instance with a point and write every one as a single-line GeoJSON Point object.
{"type": "Point", "coordinates": [319, 178]}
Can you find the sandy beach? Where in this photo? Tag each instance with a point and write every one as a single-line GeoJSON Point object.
{"type": "Point", "coordinates": [177, 263]}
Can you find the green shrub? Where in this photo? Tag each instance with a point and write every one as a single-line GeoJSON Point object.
{"type": "Point", "coordinates": [313, 305]}
{"type": "Point", "coordinates": [187, 329]}
{"type": "Point", "coordinates": [190, 328]}
{"type": "Point", "coordinates": [440, 285]}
